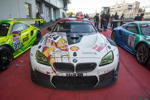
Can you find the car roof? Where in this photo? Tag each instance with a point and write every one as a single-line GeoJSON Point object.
{"type": "Point", "coordinates": [142, 22]}
{"type": "Point", "coordinates": [72, 19]}
{"type": "Point", "coordinates": [5, 21]}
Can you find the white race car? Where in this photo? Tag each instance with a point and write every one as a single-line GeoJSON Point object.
{"type": "Point", "coordinates": [74, 55]}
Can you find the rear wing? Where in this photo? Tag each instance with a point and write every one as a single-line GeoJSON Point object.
{"type": "Point", "coordinates": [25, 19]}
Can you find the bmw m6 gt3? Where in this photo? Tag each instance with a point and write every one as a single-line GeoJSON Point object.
{"type": "Point", "coordinates": [74, 55]}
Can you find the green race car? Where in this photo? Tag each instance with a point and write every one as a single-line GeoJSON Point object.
{"type": "Point", "coordinates": [16, 37]}
{"type": "Point", "coordinates": [135, 38]}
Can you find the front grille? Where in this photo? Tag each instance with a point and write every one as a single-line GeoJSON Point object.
{"type": "Point", "coordinates": [74, 82]}
{"type": "Point", "coordinates": [80, 68]}
{"type": "Point", "coordinates": [64, 67]}
{"type": "Point", "coordinates": [85, 67]}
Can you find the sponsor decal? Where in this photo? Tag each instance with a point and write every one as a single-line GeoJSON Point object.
{"type": "Point", "coordinates": [99, 47]}
{"type": "Point", "coordinates": [16, 40]}
{"type": "Point", "coordinates": [75, 60]}
{"type": "Point", "coordinates": [62, 44]}
{"type": "Point", "coordinates": [74, 54]}
{"type": "Point", "coordinates": [74, 48]}
{"type": "Point", "coordinates": [131, 40]}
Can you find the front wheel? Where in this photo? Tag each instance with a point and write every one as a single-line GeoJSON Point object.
{"type": "Point", "coordinates": [5, 58]}
{"type": "Point", "coordinates": [38, 37]}
{"type": "Point", "coordinates": [142, 54]}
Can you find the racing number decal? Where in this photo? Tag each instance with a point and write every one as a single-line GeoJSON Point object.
{"type": "Point", "coordinates": [16, 41]}
{"type": "Point", "coordinates": [26, 38]}
{"type": "Point", "coordinates": [131, 40]}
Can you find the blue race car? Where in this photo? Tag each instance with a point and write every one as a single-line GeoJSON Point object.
{"type": "Point", "coordinates": [135, 38]}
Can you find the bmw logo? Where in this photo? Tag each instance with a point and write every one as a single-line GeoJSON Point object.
{"type": "Point", "coordinates": [75, 60]}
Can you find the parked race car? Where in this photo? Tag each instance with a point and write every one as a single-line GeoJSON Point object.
{"type": "Point", "coordinates": [135, 38]}
{"type": "Point", "coordinates": [74, 55]}
{"type": "Point", "coordinates": [15, 38]}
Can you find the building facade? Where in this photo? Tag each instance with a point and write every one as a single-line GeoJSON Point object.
{"type": "Point", "coordinates": [130, 10]}
{"type": "Point", "coordinates": [50, 10]}
{"type": "Point", "coordinates": [147, 11]}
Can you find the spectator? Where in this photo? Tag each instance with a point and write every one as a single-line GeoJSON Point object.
{"type": "Point", "coordinates": [96, 18]}
{"type": "Point", "coordinates": [122, 19]}
{"type": "Point", "coordinates": [105, 23]}
{"type": "Point", "coordinates": [136, 17]}
{"type": "Point", "coordinates": [141, 18]}
{"type": "Point", "coordinates": [115, 23]}
{"type": "Point", "coordinates": [38, 15]}
{"type": "Point", "coordinates": [107, 18]}
{"type": "Point", "coordinates": [102, 19]}
{"type": "Point", "coordinates": [111, 20]}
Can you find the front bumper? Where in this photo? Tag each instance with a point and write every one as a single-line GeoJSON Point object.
{"type": "Point", "coordinates": [98, 77]}
{"type": "Point", "coordinates": [73, 82]}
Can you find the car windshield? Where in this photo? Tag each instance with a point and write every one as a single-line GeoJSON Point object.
{"type": "Point", "coordinates": [4, 29]}
{"type": "Point", "coordinates": [145, 28]}
{"type": "Point", "coordinates": [75, 27]}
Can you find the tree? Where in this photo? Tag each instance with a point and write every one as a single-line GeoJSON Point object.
{"type": "Point", "coordinates": [70, 13]}
{"type": "Point", "coordinates": [141, 10]}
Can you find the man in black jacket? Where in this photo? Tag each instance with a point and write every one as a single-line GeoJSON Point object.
{"type": "Point", "coordinates": [96, 18]}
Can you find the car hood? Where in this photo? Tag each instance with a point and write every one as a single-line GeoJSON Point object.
{"type": "Point", "coordinates": [56, 46]}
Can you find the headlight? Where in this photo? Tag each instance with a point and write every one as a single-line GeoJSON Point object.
{"type": "Point", "coordinates": [40, 58]}
{"type": "Point", "coordinates": [107, 59]}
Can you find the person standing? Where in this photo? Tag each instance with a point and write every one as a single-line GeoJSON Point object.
{"type": "Point", "coordinates": [141, 18]}
{"type": "Point", "coordinates": [115, 23]}
{"type": "Point", "coordinates": [38, 16]}
{"type": "Point", "coordinates": [107, 17]}
{"type": "Point", "coordinates": [102, 19]}
{"type": "Point", "coordinates": [111, 20]}
{"type": "Point", "coordinates": [96, 18]}
{"type": "Point", "coordinates": [122, 19]}
{"type": "Point", "coordinates": [136, 17]}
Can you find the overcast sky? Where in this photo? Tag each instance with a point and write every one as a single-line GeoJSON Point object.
{"type": "Point", "coordinates": [92, 6]}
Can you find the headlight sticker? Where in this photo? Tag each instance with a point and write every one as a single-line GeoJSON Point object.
{"type": "Point", "coordinates": [107, 59]}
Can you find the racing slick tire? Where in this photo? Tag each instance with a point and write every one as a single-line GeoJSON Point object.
{"type": "Point", "coordinates": [143, 53]}
{"type": "Point", "coordinates": [113, 36]}
{"type": "Point", "coordinates": [5, 58]}
{"type": "Point", "coordinates": [38, 37]}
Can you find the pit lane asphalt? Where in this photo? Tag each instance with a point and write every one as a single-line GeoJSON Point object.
{"type": "Point", "coordinates": [133, 82]}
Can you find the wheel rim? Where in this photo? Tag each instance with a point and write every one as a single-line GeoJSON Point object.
{"type": "Point", "coordinates": [4, 60]}
{"type": "Point", "coordinates": [142, 54]}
